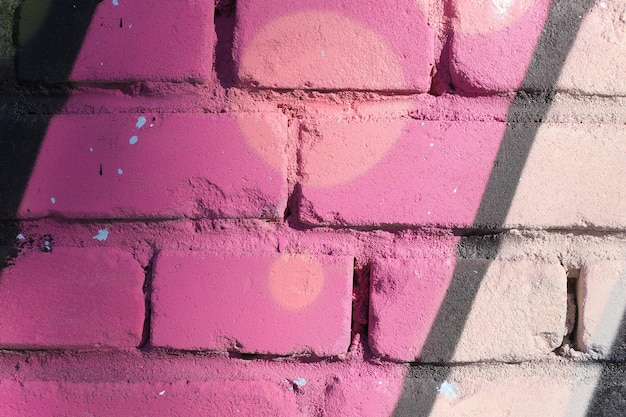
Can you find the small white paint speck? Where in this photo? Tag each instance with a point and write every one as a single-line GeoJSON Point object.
{"type": "Point", "coordinates": [53, 200]}
{"type": "Point", "coordinates": [299, 382]}
{"type": "Point", "coordinates": [432, 144]}
{"type": "Point", "coordinates": [133, 140]}
{"type": "Point", "coordinates": [90, 149]}
{"type": "Point", "coordinates": [103, 234]}
{"type": "Point", "coordinates": [20, 237]}
{"type": "Point", "coordinates": [447, 389]}
{"type": "Point", "coordinates": [141, 120]}
{"type": "Point", "coordinates": [380, 382]}
{"type": "Point", "coordinates": [102, 63]}
{"type": "Point", "coordinates": [455, 189]}
{"type": "Point", "coordinates": [130, 26]}
{"type": "Point", "coordinates": [323, 53]}
{"type": "Point", "coordinates": [162, 392]}
{"type": "Point", "coordinates": [119, 171]}
{"type": "Point", "coordinates": [116, 3]}
{"type": "Point", "coordinates": [603, 5]}
{"type": "Point", "coordinates": [429, 212]}
{"type": "Point", "coordinates": [46, 246]}
{"type": "Point", "coordinates": [151, 124]}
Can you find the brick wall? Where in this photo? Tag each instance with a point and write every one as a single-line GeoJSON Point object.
{"type": "Point", "coordinates": [322, 208]}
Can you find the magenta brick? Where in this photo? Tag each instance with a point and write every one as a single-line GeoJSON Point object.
{"type": "Point", "coordinates": [466, 310]}
{"type": "Point", "coordinates": [325, 44]}
{"type": "Point", "coordinates": [157, 166]}
{"type": "Point", "coordinates": [114, 399]}
{"type": "Point", "coordinates": [397, 172]}
{"type": "Point", "coordinates": [135, 41]}
{"type": "Point", "coordinates": [72, 298]}
{"type": "Point", "coordinates": [493, 43]}
{"type": "Point", "coordinates": [271, 304]}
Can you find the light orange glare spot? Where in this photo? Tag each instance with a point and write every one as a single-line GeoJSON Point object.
{"type": "Point", "coordinates": [320, 50]}
{"type": "Point", "coordinates": [263, 138]}
{"type": "Point", "coordinates": [295, 281]}
{"type": "Point", "coordinates": [341, 152]}
{"type": "Point", "coordinates": [481, 16]}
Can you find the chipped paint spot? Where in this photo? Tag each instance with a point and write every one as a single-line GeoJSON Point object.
{"type": "Point", "coordinates": [103, 234]}
{"type": "Point", "coordinates": [116, 3]}
{"type": "Point", "coordinates": [119, 171]}
{"type": "Point", "coordinates": [447, 389]}
{"type": "Point", "coordinates": [53, 200]}
{"type": "Point", "coordinates": [20, 237]}
{"type": "Point", "coordinates": [141, 120]}
{"type": "Point", "coordinates": [46, 246]}
{"type": "Point", "coordinates": [299, 382]}
{"type": "Point", "coordinates": [133, 140]}
{"type": "Point", "coordinates": [162, 392]}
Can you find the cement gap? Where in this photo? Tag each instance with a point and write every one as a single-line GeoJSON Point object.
{"type": "Point", "coordinates": [572, 317]}
{"type": "Point", "coordinates": [147, 293]}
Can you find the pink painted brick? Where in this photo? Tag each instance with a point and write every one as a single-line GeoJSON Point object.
{"type": "Point", "coordinates": [72, 298]}
{"type": "Point", "coordinates": [498, 310]}
{"type": "Point", "coordinates": [272, 304]}
{"type": "Point", "coordinates": [396, 172]}
{"type": "Point", "coordinates": [135, 41]}
{"type": "Point", "coordinates": [329, 45]}
{"type": "Point", "coordinates": [171, 166]}
{"type": "Point", "coordinates": [493, 43]}
{"type": "Point", "coordinates": [176, 398]}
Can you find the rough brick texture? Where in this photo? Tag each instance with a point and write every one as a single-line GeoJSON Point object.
{"type": "Point", "coordinates": [126, 41]}
{"type": "Point", "coordinates": [325, 45]}
{"type": "Point", "coordinates": [231, 302]}
{"type": "Point", "coordinates": [155, 166]}
{"type": "Point", "coordinates": [72, 298]}
{"type": "Point", "coordinates": [516, 309]}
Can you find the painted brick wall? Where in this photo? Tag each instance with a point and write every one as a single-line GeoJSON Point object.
{"type": "Point", "coordinates": [320, 208]}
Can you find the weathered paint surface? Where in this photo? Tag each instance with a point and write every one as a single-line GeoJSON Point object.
{"type": "Point", "coordinates": [279, 208]}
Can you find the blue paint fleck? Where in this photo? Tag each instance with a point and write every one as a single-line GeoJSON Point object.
{"type": "Point", "coordinates": [20, 237]}
{"type": "Point", "coordinates": [103, 234]}
{"type": "Point", "coordinates": [141, 120]}
{"type": "Point", "coordinates": [299, 382]}
{"type": "Point", "coordinates": [116, 3]}
{"type": "Point", "coordinates": [133, 140]}
{"type": "Point", "coordinates": [53, 200]}
{"type": "Point", "coordinates": [447, 389]}
{"type": "Point", "coordinates": [119, 171]}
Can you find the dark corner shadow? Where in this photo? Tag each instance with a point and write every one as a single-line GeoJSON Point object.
{"type": "Point", "coordinates": [48, 35]}
{"type": "Point", "coordinates": [419, 390]}
{"type": "Point", "coordinates": [609, 396]}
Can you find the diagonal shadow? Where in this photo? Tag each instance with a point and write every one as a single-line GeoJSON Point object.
{"type": "Point", "coordinates": [555, 42]}
{"type": "Point", "coordinates": [48, 35]}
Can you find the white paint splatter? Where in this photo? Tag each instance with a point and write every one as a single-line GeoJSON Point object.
{"type": "Point", "coordinates": [116, 3]}
{"type": "Point", "coordinates": [432, 144]}
{"type": "Point", "coordinates": [119, 171]}
{"type": "Point", "coordinates": [133, 140]}
{"type": "Point", "coordinates": [299, 382]}
{"type": "Point", "coordinates": [141, 120]}
{"type": "Point", "coordinates": [103, 234]}
{"type": "Point", "coordinates": [20, 237]}
{"type": "Point", "coordinates": [447, 389]}
{"type": "Point", "coordinates": [429, 212]}
{"type": "Point", "coordinates": [53, 200]}
{"type": "Point", "coordinates": [162, 392]}
{"type": "Point", "coordinates": [603, 5]}
{"type": "Point", "coordinates": [151, 124]}
{"type": "Point", "coordinates": [455, 189]}
{"type": "Point", "coordinates": [90, 149]}
{"type": "Point", "coordinates": [502, 6]}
